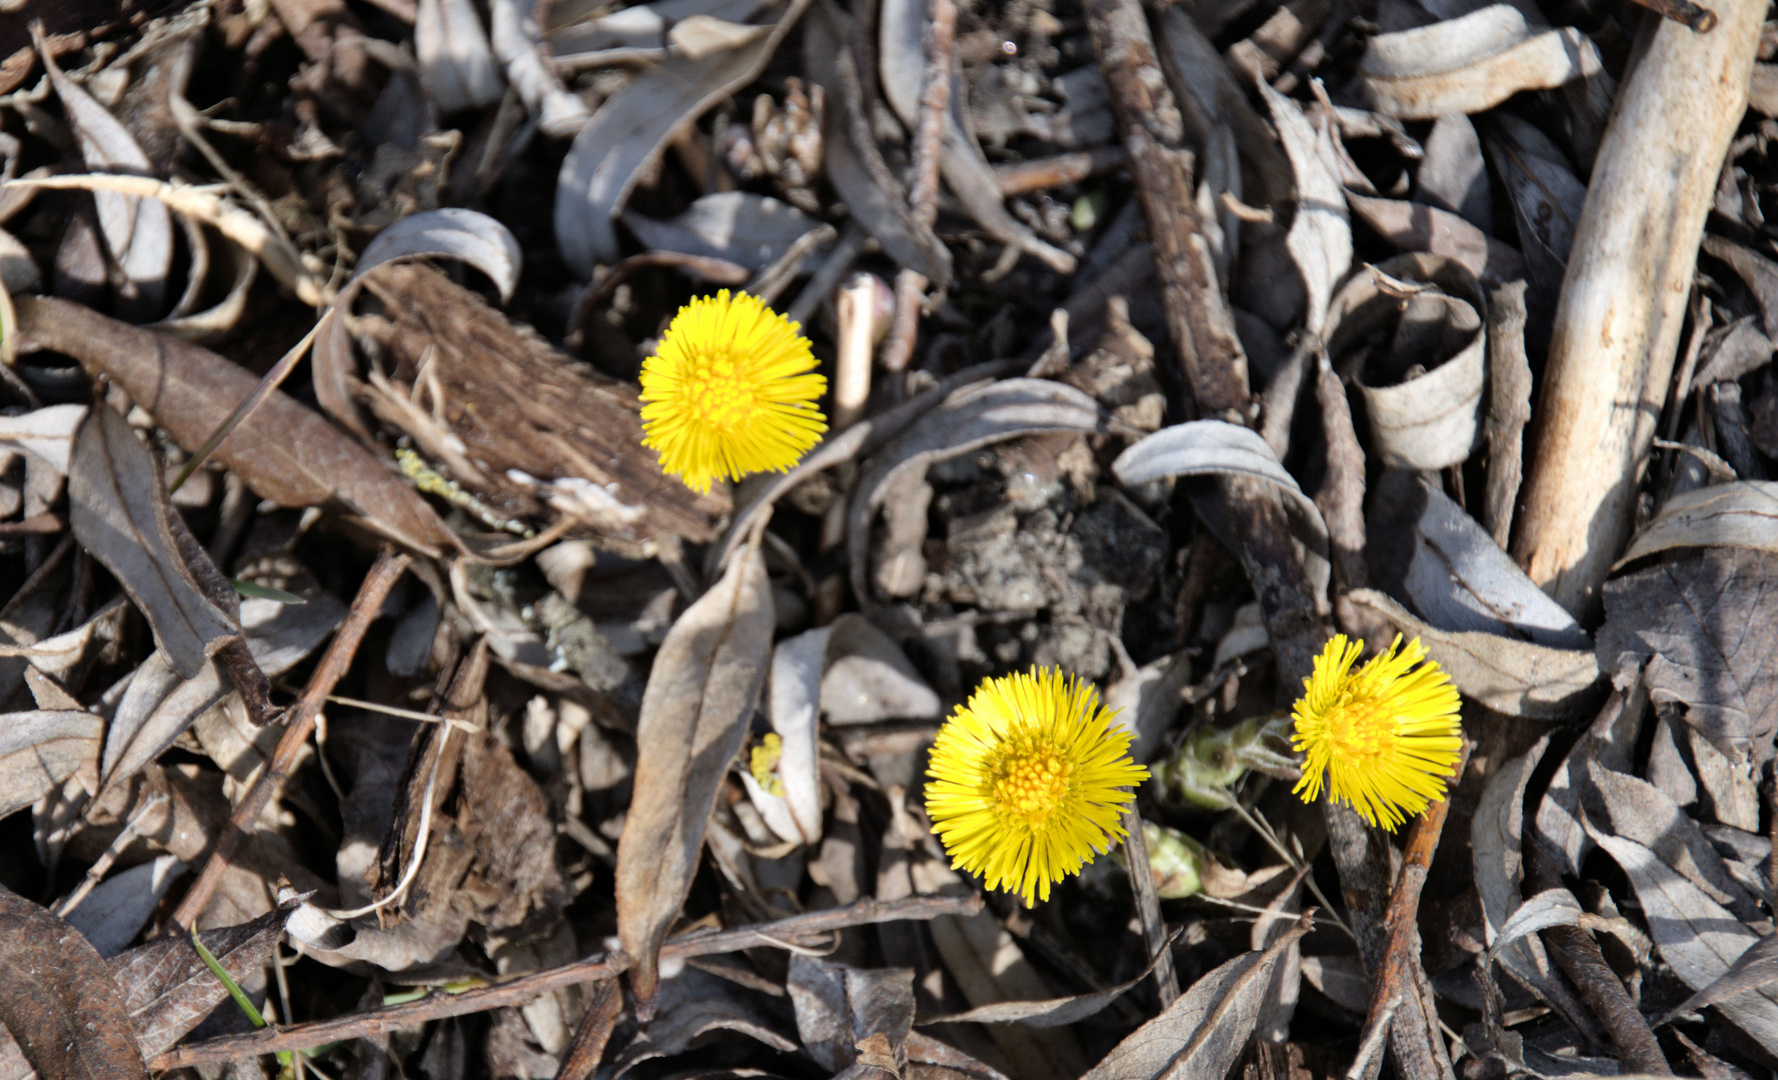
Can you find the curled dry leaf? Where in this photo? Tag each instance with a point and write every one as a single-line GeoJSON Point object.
{"type": "Point", "coordinates": [120, 906]}
{"type": "Point", "coordinates": [849, 671]}
{"type": "Point", "coordinates": [138, 231]}
{"type": "Point", "coordinates": [838, 1008]}
{"type": "Point", "coordinates": [1200, 1035]}
{"type": "Point", "coordinates": [59, 1000]}
{"type": "Point", "coordinates": [1218, 448]}
{"type": "Point", "coordinates": [1740, 513]}
{"type": "Point", "coordinates": [969, 421]}
{"type": "Point", "coordinates": [456, 63]}
{"type": "Point", "coordinates": [284, 452]}
{"type": "Point", "coordinates": [700, 696]}
{"type": "Point", "coordinates": [450, 233]}
{"type": "Point", "coordinates": [1508, 675]}
{"type": "Point", "coordinates": [1545, 195]}
{"type": "Point", "coordinates": [1497, 856]}
{"type": "Point", "coordinates": [631, 128]}
{"type": "Point", "coordinates": [1413, 227]}
{"type": "Point", "coordinates": [1423, 388]}
{"type": "Point", "coordinates": [1471, 63]}
{"type": "Point", "coordinates": [559, 111]}
{"type": "Point", "coordinates": [1320, 237]}
{"type": "Point", "coordinates": [119, 511]}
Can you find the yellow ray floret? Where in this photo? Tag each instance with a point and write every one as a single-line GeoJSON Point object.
{"type": "Point", "coordinates": [1385, 737]}
{"type": "Point", "coordinates": [1028, 781]}
{"type": "Point", "coordinates": [730, 390]}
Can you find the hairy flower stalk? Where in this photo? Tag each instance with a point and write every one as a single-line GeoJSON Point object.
{"type": "Point", "coordinates": [730, 390]}
{"type": "Point", "coordinates": [1384, 738]}
{"type": "Point", "coordinates": [1029, 781]}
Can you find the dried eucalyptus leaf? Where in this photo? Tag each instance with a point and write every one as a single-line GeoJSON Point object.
{"type": "Point", "coordinates": [450, 233]}
{"type": "Point", "coordinates": [284, 452]}
{"type": "Point", "coordinates": [1637, 810]}
{"type": "Point", "coordinates": [40, 749]}
{"type": "Point", "coordinates": [1739, 513]}
{"type": "Point", "coordinates": [1453, 175]}
{"type": "Point", "coordinates": [1508, 675]}
{"type": "Point", "coordinates": [1758, 272]}
{"type": "Point", "coordinates": [1414, 227]}
{"type": "Point", "coordinates": [1320, 237]}
{"type": "Point", "coordinates": [1552, 907]}
{"type": "Point", "coordinates": [630, 129]}
{"type": "Point", "coordinates": [118, 509]}
{"type": "Point", "coordinates": [456, 63]}
{"type": "Point", "coordinates": [59, 1000]}
{"type": "Point", "coordinates": [695, 1003]}
{"type": "Point", "coordinates": [1471, 63]}
{"type": "Point", "coordinates": [138, 231]}
{"type": "Point", "coordinates": [700, 695]}
{"type": "Point", "coordinates": [1546, 197]}
{"type": "Point", "coordinates": [1200, 1035]}
{"type": "Point", "coordinates": [560, 112]}
{"type": "Point", "coordinates": [47, 433]}
{"type": "Point", "coordinates": [1698, 939]}
{"type": "Point", "coordinates": [1703, 629]}
{"type": "Point", "coordinates": [1756, 969]}
{"type": "Point", "coordinates": [1454, 573]}
{"type": "Point", "coordinates": [749, 230]}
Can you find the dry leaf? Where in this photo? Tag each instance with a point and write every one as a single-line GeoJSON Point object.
{"type": "Point", "coordinates": [39, 750]}
{"type": "Point", "coordinates": [1471, 63]}
{"type": "Point", "coordinates": [1200, 1035]}
{"type": "Point", "coordinates": [1740, 513]}
{"type": "Point", "coordinates": [120, 513]}
{"type": "Point", "coordinates": [1702, 628]}
{"type": "Point", "coordinates": [284, 452]}
{"type": "Point", "coordinates": [456, 63]}
{"type": "Point", "coordinates": [59, 1000]}
{"type": "Point", "coordinates": [1320, 237]}
{"type": "Point", "coordinates": [1508, 675]}
{"type": "Point", "coordinates": [700, 696]}
{"type": "Point", "coordinates": [630, 129]}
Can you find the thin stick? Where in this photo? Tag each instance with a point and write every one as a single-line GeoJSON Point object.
{"type": "Point", "coordinates": [935, 98]}
{"type": "Point", "coordinates": [272, 380]}
{"type": "Point", "coordinates": [1400, 977]}
{"type": "Point", "coordinates": [299, 723]}
{"type": "Point", "coordinates": [597, 968]}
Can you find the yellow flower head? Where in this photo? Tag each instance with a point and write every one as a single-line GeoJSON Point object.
{"type": "Point", "coordinates": [1385, 736]}
{"type": "Point", "coordinates": [1027, 781]}
{"type": "Point", "coordinates": [729, 391]}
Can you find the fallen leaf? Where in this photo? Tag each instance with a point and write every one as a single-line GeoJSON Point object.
{"type": "Point", "coordinates": [839, 1007]}
{"type": "Point", "coordinates": [1054, 1012]}
{"type": "Point", "coordinates": [284, 452]}
{"type": "Point", "coordinates": [1697, 938]}
{"type": "Point", "coordinates": [1200, 1035]}
{"type": "Point", "coordinates": [1739, 513]}
{"type": "Point", "coordinates": [120, 906]}
{"type": "Point", "coordinates": [741, 227]}
{"type": "Point", "coordinates": [456, 62]}
{"type": "Point", "coordinates": [119, 511]}
{"type": "Point", "coordinates": [630, 129]}
{"type": "Point", "coordinates": [1414, 227]}
{"type": "Point", "coordinates": [59, 1000]}
{"type": "Point", "coordinates": [1320, 237]}
{"type": "Point", "coordinates": [700, 695]}
{"type": "Point", "coordinates": [1705, 634]}
{"type": "Point", "coordinates": [1506, 674]}
{"type": "Point", "coordinates": [1471, 63]}
{"type": "Point", "coordinates": [39, 750]}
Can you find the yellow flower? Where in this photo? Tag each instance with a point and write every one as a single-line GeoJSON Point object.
{"type": "Point", "coordinates": [1386, 737]}
{"type": "Point", "coordinates": [729, 391]}
{"type": "Point", "coordinates": [1027, 781]}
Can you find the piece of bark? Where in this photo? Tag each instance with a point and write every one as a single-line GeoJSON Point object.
{"type": "Point", "coordinates": [1151, 130]}
{"type": "Point", "coordinates": [1618, 319]}
{"type": "Point", "coordinates": [510, 405]}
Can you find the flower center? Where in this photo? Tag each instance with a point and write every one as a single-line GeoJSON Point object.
{"type": "Point", "coordinates": [720, 392]}
{"type": "Point", "coordinates": [1029, 780]}
{"type": "Point", "coordinates": [1362, 727]}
